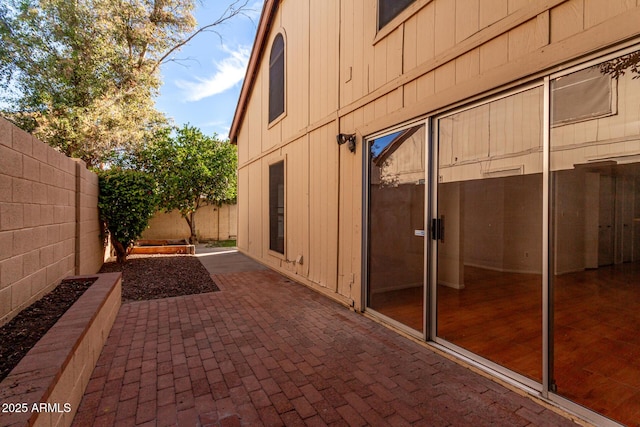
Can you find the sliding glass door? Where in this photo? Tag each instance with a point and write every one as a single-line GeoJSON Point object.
{"type": "Point", "coordinates": [489, 231]}
{"type": "Point", "coordinates": [396, 206]}
{"type": "Point", "coordinates": [595, 164]}
{"type": "Point", "coordinates": [521, 217]}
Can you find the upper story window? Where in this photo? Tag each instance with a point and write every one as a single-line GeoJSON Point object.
{"type": "Point", "coordinates": [276, 79]}
{"type": "Point", "coordinates": [389, 9]}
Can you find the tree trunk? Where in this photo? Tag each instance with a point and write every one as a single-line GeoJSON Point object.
{"type": "Point", "coordinates": [191, 220]}
{"type": "Point", "coordinates": [121, 251]}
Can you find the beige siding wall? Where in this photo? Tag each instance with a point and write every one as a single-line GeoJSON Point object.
{"type": "Point", "coordinates": [342, 76]}
{"type": "Point", "coordinates": [49, 226]}
{"type": "Point", "coordinates": [323, 206]}
{"type": "Point", "coordinates": [212, 223]}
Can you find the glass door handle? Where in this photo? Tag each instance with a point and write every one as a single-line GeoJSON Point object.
{"type": "Point", "coordinates": [437, 229]}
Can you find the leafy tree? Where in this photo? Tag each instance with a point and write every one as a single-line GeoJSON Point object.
{"type": "Point", "coordinates": [192, 170]}
{"type": "Point", "coordinates": [126, 202]}
{"type": "Point", "coordinates": [81, 75]}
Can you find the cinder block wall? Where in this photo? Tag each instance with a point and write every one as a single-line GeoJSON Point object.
{"type": "Point", "coordinates": [212, 223]}
{"type": "Point", "coordinates": [91, 252]}
{"type": "Point", "coordinates": [49, 225]}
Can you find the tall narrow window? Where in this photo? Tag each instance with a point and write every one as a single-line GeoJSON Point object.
{"type": "Point", "coordinates": [389, 9]}
{"type": "Point", "coordinates": [276, 207]}
{"type": "Point", "coordinates": [276, 79]}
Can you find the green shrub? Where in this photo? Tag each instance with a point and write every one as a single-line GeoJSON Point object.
{"type": "Point", "coordinates": [127, 201]}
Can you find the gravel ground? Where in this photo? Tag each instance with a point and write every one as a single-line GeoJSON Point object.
{"type": "Point", "coordinates": [146, 277]}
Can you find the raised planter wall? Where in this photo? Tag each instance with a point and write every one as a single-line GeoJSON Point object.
{"type": "Point", "coordinates": [57, 370]}
{"type": "Point", "coordinates": [165, 247]}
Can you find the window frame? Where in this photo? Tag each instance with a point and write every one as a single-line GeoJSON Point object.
{"type": "Point", "coordinates": [273, 220]}
{"type": "Point", "coordinates": [280, 35]}
{"type": "Point", "coordinates": [392, 16]}
{"type": "Point", "coordinates": [404, 15]}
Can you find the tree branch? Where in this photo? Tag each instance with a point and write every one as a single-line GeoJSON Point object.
{"type": "Point", "coordinates": [234, 9]}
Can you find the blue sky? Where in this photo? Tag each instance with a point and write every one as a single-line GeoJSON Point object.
{"type": "Point", "coordinates": [203, 87]}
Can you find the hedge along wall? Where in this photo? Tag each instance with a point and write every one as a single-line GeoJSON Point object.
{"type": "Point", "coordinates": [49, 226]}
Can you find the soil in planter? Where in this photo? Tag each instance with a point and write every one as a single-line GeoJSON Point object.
{"type": "Point", "coordinates": [146, 277]}
{"type": "Point", "coordinates": [19, 335]}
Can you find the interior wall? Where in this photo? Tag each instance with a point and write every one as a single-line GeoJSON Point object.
{"type": "Point", "coordinates": [484, 223]}
{"type": "Point", "coordinates": [503, 223]}
{"type": "Point", "coordinates": [570, 222]}
{"type": "Point", "coordinates": [397, 254]}
{"type": "Point", "coordinates": [636, 221]}
{"type": "Point", "coordinates": [523, 224]}
{"type": "Point", "coordinates": [451, 203]}
{"type": "Point", "coordinates": [577, 200]}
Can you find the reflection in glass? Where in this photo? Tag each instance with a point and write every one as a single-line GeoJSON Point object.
{"type": "Point", "coordinates": [596, 242]}
{"type": "Point", "coordinates": [276, 207]}
{"type": "Point", "coordinates": [489, 294]}
{"type": "Point", "coordinates": [396, 226]}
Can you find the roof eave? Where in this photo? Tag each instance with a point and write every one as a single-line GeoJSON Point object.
{"type": "Point", "coordinates": [268, 12]}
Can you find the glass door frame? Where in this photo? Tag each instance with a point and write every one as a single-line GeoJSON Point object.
{"type": "Point", "coordinates": [426, 122]}
{"type": "Point", "coordinates": [549, 392]}
{"type": "Point", "coordinates": [544, 389]}
{"type": "Point", "coordinates": [474, 359]}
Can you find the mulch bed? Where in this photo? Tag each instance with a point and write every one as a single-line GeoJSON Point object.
{"type": "Point", "coordinates": [25, 330]}
{"type": "Point", "coordinates": [144, 277]}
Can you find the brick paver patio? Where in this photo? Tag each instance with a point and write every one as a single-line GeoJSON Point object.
{"type": "Point", "coordinates": [266, 351]}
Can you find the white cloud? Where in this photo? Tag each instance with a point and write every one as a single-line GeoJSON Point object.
{"type": "Point", "coordinates": [254, 10]}
{"type": "Point", "coordinates": [228, 72]}
{"type": "Point", "coordinates": [222, 128]}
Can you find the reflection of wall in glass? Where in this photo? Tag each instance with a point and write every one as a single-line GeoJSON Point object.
{"type": "Point", "coordinates": [397, 210]}
{"type": "Point", "coordinates": [595, 159]}
{"type": "Point", "coordinates": [612, 137]}
{"type": "Point", "coordinates": [500, 138]}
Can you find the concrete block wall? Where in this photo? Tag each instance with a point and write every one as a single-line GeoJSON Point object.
{"type": "Point", "coordinates": [91, 252]}
{"type": "Point", "coordinates": [48, 219]}
{"type": "Point", "coordinates": [212, 223]}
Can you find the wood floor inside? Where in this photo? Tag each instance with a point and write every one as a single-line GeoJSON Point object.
{"type": "Point", "coordinates": [595, 329]}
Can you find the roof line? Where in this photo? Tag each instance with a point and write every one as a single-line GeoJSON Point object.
{"type": "Point", "coordinates": [268, 12]}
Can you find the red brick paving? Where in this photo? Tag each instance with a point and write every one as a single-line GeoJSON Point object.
{"type": "Point", "coordinates": [265, 351]}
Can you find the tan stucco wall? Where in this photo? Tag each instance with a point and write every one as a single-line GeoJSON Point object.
{"type": "Point", "coordinates": [49, 226]}
{"type": "Point", "coordinates": [212, 223]}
